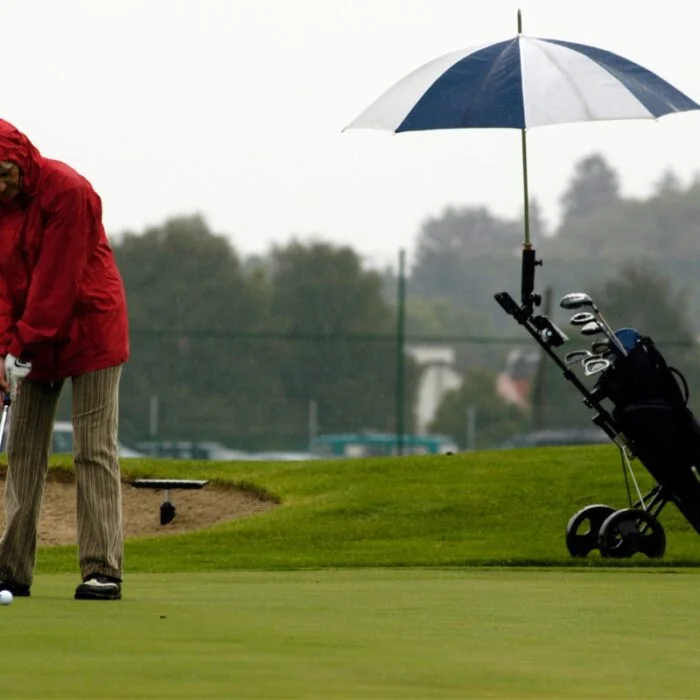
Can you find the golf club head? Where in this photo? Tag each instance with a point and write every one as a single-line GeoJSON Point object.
{"type": "Point", "coordinates": [582, 318]}
{"type": "Point", "coordinates": [601, 346]}
{"type": "Point", "coordinates": [595, 365]}
{"type": "Point", "coordinates": [575, 300]}
{"type": "Point", "coordinates": [592, 328]}
{"type": "Point", "coordinates": [575, 356]}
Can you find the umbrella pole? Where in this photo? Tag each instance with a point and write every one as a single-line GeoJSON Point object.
{"type": "Point", "coordinates": [527, 284]}
{"type": "Point", "coordinates": [526, 193]}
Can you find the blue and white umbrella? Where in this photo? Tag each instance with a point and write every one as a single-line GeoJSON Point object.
{"type": "Point", "coordinates": [522, 83]}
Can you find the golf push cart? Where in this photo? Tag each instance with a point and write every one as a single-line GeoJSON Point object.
{"type": "Point", "coordinates": [640, 403]}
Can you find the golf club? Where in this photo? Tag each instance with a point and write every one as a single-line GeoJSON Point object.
{"type": "Point", "coordinates": [575, 356]}
{"type": "Point", "coordinates": [3, 418]}
{"type": "Point", "coordinates": [577, 300]}
{"type": "Point", "coordinates": [595, 365]}
{"type": "Point", "coordinates": [582, 318]}
{"type": "Point", "coordinates": [592, 328]}
{"type": "Point", "coordinates": [601, 346]}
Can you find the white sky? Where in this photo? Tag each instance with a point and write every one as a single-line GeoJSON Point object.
{"type": "Point", "coordinates": [234, 109]}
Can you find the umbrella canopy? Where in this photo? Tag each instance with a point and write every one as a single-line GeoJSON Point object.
{"type": "Point", "coordinates": [522, 83]}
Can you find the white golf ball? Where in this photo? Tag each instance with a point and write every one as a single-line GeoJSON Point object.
{"type": "Point", "coordinates": [5, 597]}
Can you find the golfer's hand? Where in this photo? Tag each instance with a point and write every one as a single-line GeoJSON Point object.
{"type": "Point", "coordinates": [15, 371]}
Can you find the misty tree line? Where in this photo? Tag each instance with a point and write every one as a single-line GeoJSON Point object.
{"type": "Point", "coordinates": [639, 258]}
{"type": "Point", "coordinates": [239, 349]}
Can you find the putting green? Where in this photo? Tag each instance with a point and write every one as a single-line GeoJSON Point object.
{"type": "Point", "coordinates": [360, 633]}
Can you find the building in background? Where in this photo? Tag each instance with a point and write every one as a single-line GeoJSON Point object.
{"type": "Point", "coordinates": [438, 376]}
{"type": "Point", "coordinates": [514, 383]}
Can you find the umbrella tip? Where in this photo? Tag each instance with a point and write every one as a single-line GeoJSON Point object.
{"type": "Point", "coordinates": [520, 21]}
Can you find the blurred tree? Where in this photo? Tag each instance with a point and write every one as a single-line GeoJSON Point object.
{"type": "Point", "coordinates": [450, 251]}
{"type": "Point", "coordinates": [184, 285]}
{"type": "Point", "coordinates": [639, 296]}
{"type": "Point", "coordinates": [668, 183]}
{"type": "Point", "coordinates": [538, 226]}
{"type": "Point", "coordinates": [495, 420]}
{"type": "Point", "coordinates": [466, 255]}
{"type": "Point", "coordinates": [322, 293]}
{"type": "Point", "coordinates": [593, 186]}
{"type": "Point", "coordinates": [238, 352]}
{"type": "Point", "coordinates": [466, 232]}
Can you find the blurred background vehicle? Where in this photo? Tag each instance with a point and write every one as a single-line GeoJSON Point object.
{"type": "Point", "coordinates": [188, 449]}
{"type": "Point", "coordinates": [543, 438]}
{"type": "Point", "coordinates": [370, 444]}
{"type": "Point", "coordinates": [282, 456]}
{"type": "Point", "coordinates": [62, 442]}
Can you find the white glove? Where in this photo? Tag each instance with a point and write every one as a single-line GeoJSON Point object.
{"type": "Point", "coordinates": [15, 371]}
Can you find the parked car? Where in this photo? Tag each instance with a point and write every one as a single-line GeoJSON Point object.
{"type": "Point", "coordinates": [218, 452]}
{"type": "Point", "coordinates": [282, 456]}
{"type": "Point", "coordinates": [63, 441]}
{"type": "Point", "coordinates": [186, 449]}
{"type": "Point", "coordinates": [543, 438]}
{"type": "Point", "coordinates": [376, 444]}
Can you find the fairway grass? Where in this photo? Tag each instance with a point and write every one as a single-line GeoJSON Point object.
{"type": "Point", "coordinates": [359, 633]}
{"type": "Point", "coordinates": [499, 508]}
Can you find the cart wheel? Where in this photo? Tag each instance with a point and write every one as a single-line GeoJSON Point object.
{"type": "Point", "coordinates": [629, 531]}
{"type": "Point", "coordinates": [578, 542]}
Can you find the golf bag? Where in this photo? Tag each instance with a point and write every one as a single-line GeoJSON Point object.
{"type": "Point", "coordinates": [642, 405]}
{"type": "Point", "coordinates": [650, 410]}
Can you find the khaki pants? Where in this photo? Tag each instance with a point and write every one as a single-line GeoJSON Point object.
{"type": "Point", "coordinates": [97, 474]}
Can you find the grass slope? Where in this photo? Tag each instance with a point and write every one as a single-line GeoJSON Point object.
{"type": "Point", "coordinates": [492, 507]}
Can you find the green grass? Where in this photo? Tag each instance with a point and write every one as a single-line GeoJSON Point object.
{"type": "Point", "coordinates": [493, 507]}
{"type": "Point", "coordinates": [366, 582]}
{"type": "Point", "coordinates": [360, 633]}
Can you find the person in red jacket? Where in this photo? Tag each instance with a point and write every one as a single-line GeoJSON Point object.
{"type": "Point", "coordinates": [63, 315]}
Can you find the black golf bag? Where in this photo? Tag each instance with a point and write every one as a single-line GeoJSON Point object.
{"type": "Point", "coordinates": [651, 413]}
{"type": "Point", "coordinates": [642, 405]}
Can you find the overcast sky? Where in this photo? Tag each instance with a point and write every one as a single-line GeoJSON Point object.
{"type": "Point", "coordinates": [235, 108]}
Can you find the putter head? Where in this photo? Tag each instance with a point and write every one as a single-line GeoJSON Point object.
{"type": "Point", "coordinates": [582, 318]}
{"type": "Point", "coordinates": [575, 300]}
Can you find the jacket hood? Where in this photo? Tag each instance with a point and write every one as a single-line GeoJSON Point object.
{"type": "Point", "coordinates": [16, 147]}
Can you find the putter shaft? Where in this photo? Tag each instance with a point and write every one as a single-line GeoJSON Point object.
{"type": "Point", "coordinates": [3, 418]}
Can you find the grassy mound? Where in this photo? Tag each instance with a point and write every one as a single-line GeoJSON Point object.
{"type": "Point", "coordinates": [486, 508]}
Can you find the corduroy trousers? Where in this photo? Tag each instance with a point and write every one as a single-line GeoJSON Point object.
{"type": "Point", "coordinates": [95, 411]}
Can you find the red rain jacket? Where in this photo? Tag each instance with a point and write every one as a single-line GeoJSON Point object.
{"type": "Point", "coordinates": [62, 300]}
